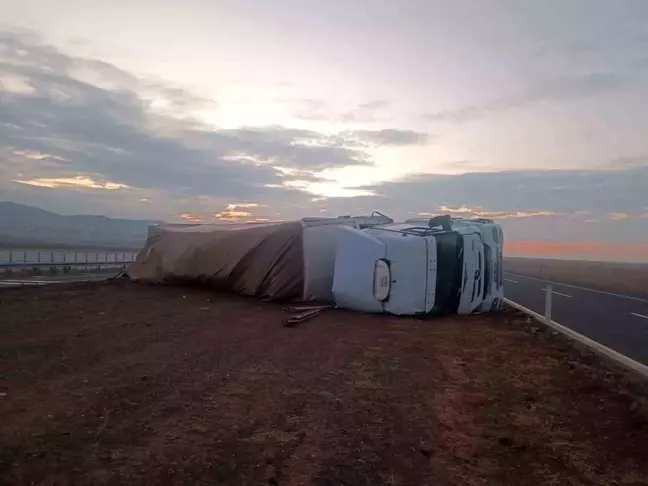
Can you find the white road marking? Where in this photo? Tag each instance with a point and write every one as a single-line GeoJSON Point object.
{"type": "Point", "coordinates": [557, 293]}
{"type": "Point", "coordinates": [577, 287]}
{"type": "Point", "coordinates": [638, 315]}
{"type": "Point", "coordinates": [509, 280]}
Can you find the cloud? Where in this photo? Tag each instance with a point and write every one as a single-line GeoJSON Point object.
{"type": "Point", "coordinates": [81, 133]}
{"type": "Point", "coordinates": [78, 181]}
{"type": "Point", "coordinates": [629, 162]}
{"type": "Point", "coordinates": [319, 110]}
{"type": "Point", "coordinates": [32, 154]}
{"type": "Point", "coordinates": [14, 84]}
{"type": "Point", "coordinates": [174, 99]}
{"type": "Point", "coordinates": [192, 218]}
{"type": "Point", "coordinates": [390, 136]}
{"type": "Point", "coordinates": [538, 204]}
{"type": "Point", "coordinates": [559, 191]}
{"type": "Point", "coordinates": [374, 105]}
{"type": "Point", "coordinates": [79, 124]}
{"type": "Point", "coordinates": [371, 111]}
{"type": "Point", "coordinates": [233, 207]}
{"type": "Point", "coordinates": [551, 89]}
{"type": "Point", "coordinates": [619, 216]}
{"type": "Point", "coordinates": [232, 215]}
{"type": "Point", "coordinates": [479, 212]}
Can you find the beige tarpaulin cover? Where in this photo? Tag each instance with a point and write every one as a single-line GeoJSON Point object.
{"type": "Point", "coordinates": [263, 260]}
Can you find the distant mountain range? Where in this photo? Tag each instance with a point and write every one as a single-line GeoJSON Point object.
{"type": "Point", "coordinates": [29, 227]}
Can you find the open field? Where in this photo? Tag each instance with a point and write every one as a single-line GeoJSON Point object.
{"type": "Point", "coordinates": [124, 383]}
{"type": "Point", "coordinates": [624, 278]}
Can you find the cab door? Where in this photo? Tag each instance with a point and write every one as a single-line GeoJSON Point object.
{"type": "Point", "coordinates": [407, 257]}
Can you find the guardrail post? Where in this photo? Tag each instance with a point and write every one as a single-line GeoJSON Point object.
{"type": "Point", "coordinates": [548, 295]}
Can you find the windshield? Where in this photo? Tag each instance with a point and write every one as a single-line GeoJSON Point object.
{"type": "Point", "coordinates": [488, 270]}
{"type": "Point", "coordinates": [449, 272]}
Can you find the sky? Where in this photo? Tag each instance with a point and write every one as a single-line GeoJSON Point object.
{"type": "Point", "coordinates": [531, 113]}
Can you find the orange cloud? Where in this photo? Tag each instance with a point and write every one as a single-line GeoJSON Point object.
{"type": "Point", "coordinates": [579, 249]}
{"type": "Point", "coordinates": [234, 206]}
{"type": "Point", "coordinates": [72, 182]}
{"type": "Point", "coordinates": [192, 218]}
{"type": "Point", "coordinates": [232, 215]}
{"type": "Point", "coordinates": [35, 155]}
{"type": "Point", "coordinates": [619, 216]}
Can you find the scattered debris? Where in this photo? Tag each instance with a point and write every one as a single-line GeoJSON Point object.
{"type": "Point", "coordinates": [304, 316]}
{"type": "Point", "coordinates": [304, 308]}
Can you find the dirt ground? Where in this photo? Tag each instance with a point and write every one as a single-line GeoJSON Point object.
{"type": "Point", "coordinates": [624, 278]}
{"type": "Point", "coordinates": [124, 383]}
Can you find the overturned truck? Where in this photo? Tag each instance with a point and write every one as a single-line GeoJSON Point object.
{"type": "Point", "coordinates": [370, 264]}
{"type": "Point", "coordinates": [278, 261]}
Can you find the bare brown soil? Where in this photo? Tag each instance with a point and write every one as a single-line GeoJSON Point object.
{"type": "Point", "coordinates": [625, 278]}
{"type": "Point", "coordinates": [120, 383]}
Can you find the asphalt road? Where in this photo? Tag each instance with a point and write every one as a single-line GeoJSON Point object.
{"type": "Point", "coordinates": [617, 321]}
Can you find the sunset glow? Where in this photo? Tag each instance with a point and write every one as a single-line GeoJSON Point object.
{"type": "Point", "coordinates": [579, 250]}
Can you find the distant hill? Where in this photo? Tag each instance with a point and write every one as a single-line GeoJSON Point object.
{"type": "Point", "coordinates": [27, 226]}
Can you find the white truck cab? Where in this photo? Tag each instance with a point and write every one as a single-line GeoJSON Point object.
{"type": "Point", "coordinates": [492, 238]}
{"type": "Point", "coordinates": [410, 268]}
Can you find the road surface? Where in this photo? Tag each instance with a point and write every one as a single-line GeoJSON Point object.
{"type": "Point", "coordinates": [617, 321]}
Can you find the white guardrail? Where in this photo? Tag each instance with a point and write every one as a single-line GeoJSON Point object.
{"type": "Point", "coordinates": [16, 259]}
{"type": "Point", "coordinates": [590, 343]}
